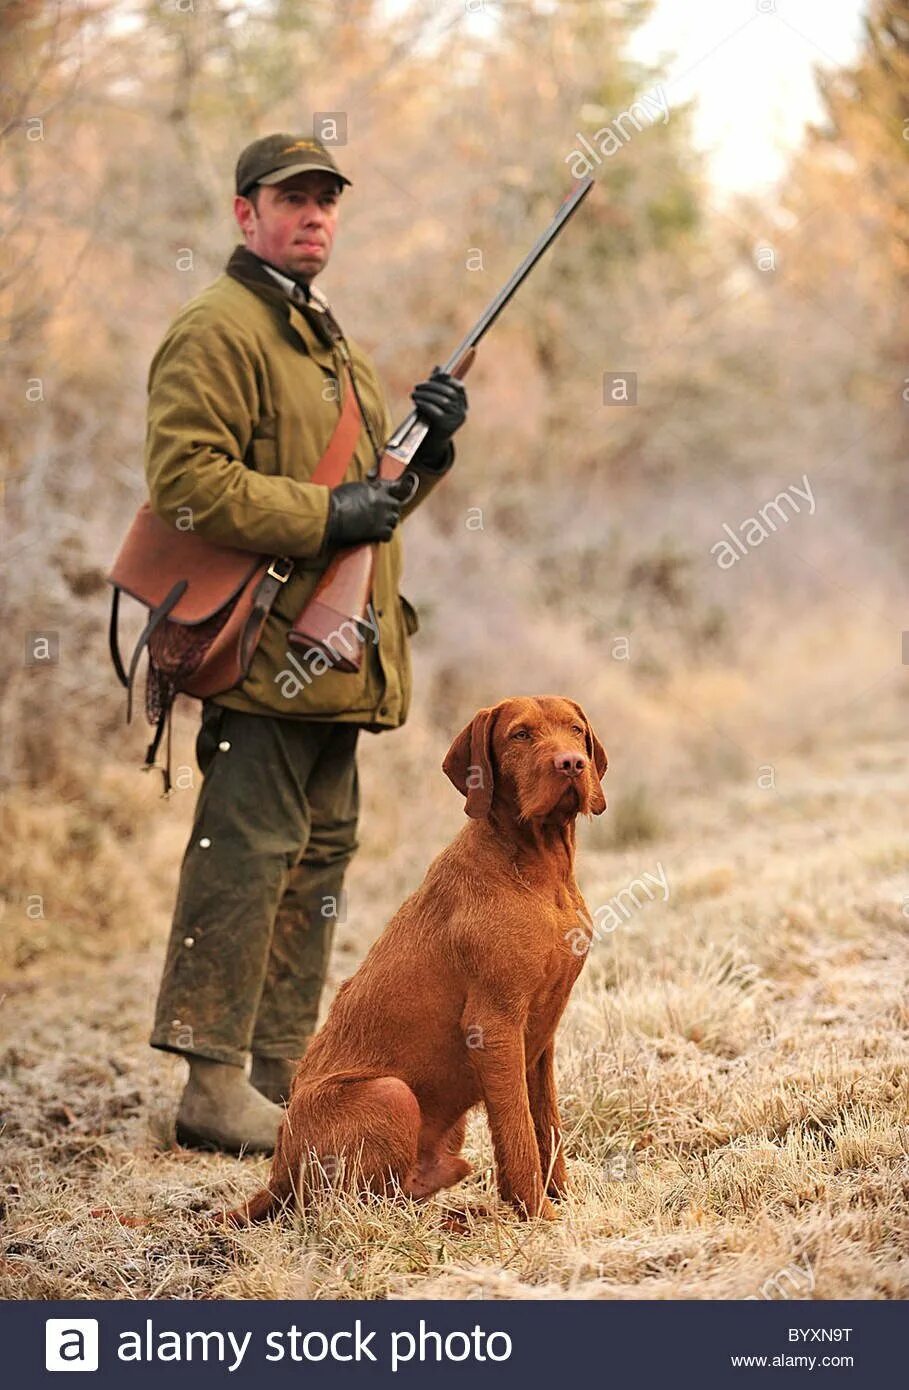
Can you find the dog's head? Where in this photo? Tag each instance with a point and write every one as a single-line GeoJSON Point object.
{"type": "Point", "coordinates": [535, 757]}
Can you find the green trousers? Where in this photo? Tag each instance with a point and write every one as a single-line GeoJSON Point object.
{"type": "Point", "coordinates": [261, 886]}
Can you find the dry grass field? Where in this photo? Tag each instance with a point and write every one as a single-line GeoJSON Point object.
{"type": "Point", "coordinates": [732, 1063]}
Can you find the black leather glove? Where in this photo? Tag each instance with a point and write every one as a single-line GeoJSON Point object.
{"type": "Point", "coordinates": [365, 511]}
{"type": "Point", "coordinates": [441, 402]}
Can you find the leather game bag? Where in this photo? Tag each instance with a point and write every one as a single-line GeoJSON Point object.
{"type": "Point", "coordinates": [207, 603]}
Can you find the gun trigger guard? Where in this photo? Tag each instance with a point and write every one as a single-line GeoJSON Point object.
{"type": "Point", "coordinates": [414, 478]}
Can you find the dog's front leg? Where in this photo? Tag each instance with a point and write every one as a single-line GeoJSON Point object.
{"type": "Point", "coordinates": [495, 1044]}
{"type": "Point", "coordinates": [544, 1108]}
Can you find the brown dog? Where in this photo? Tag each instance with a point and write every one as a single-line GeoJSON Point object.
{"type": "Point", "coordinates": [457, 1002]}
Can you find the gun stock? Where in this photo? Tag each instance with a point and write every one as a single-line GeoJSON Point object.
{"type": "Point", "coordinates": [341, 598]}
{"type": "Point", "coordinates": [337, 607]}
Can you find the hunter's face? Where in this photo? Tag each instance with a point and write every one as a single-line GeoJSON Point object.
{"type": "Point", "coordinates": [294, 225]}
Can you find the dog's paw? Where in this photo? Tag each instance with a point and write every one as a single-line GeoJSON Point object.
{"type": "Point", "coordinates": [460, 1221]}
{"type": "Point", "coordinates": [541, 1210]}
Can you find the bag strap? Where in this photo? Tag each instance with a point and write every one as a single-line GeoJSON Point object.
{"type": "Point", "coordinates": [166, 717]}
{"type": "Point", "coordinates": [272, 581]}
{"type": "Point", "coordinates": [155, 618]}
{"type": "Point", "coordinates": [113, 638]}
{"type": "Point", "coordinates": [334, 462]}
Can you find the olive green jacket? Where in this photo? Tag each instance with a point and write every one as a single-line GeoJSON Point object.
{"type": "Point", "coordinates": [243, 396]}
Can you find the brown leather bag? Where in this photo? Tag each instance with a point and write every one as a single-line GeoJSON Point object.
{"type": "Point", "coordinates": [207, 603]}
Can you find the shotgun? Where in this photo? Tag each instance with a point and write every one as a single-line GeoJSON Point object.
{"type": "Point", "coordinates": [342, 595]}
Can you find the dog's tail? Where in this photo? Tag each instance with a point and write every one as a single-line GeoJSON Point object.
{"type": "Point", "coordinates": [261, 1205]}
{"type": "Point", "coordinates": [280, 1185]}
{"type": "Point", "coordinates": [268, 1199]}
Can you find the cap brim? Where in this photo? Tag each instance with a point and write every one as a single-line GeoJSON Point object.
{"type": "Point", "coordinates": [280, 175]}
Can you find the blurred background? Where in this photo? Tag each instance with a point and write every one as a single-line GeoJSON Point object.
{"type": "Point", "coordinates": [740, 269]}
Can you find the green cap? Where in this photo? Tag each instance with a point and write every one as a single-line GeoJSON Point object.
{"type": "Point", "coordinates": [278, 157]}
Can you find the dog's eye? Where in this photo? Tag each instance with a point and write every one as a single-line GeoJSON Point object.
{"type": "Point", "coordinates": [576, 729]}
{"type": "Point", "coordinates": [520, 733]}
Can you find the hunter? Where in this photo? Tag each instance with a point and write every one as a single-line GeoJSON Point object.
{"type": "Point", "coordinates": [244, 395]}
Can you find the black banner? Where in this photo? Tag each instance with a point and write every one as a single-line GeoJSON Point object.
{"type": "Point", "coordinates": [504, 1344]}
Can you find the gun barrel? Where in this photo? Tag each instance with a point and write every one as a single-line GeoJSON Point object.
{"type": "Point", "coordinates": [567, 209]}
{"type": "Point", "coordinates": [489, 315]}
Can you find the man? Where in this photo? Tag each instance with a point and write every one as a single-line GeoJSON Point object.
{"type": "Point", "coordinates": [244, 394]}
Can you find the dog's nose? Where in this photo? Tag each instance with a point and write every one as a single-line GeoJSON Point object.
{"type": "Point", "coordinates": [571, 763]}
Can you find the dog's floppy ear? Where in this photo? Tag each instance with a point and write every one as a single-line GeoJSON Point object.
{"type": "Point", "coordinates": [597, 755]}
{"type": "Point", "coordinates": [468, 763]}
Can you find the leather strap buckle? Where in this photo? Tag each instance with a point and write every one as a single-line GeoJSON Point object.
{"type": "Point", "coordinates": [283, 574]}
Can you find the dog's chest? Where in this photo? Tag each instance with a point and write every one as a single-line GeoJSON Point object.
{"type": "Point", "coordinates": [549, 999]}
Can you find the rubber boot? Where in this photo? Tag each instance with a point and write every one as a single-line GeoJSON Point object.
{"type": "Point", "coordinates": [221, 1110]}
{"type": "Point", "coordinates": [273, 1076]}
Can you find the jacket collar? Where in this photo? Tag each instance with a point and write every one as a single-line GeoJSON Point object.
{"type": "Point", "coordinates": [297, 293]}
{"type": "Point", "coordinates": [311, 319]}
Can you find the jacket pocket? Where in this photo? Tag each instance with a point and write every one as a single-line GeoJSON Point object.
{"type": "Point", "coordinates": [411, 617]}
